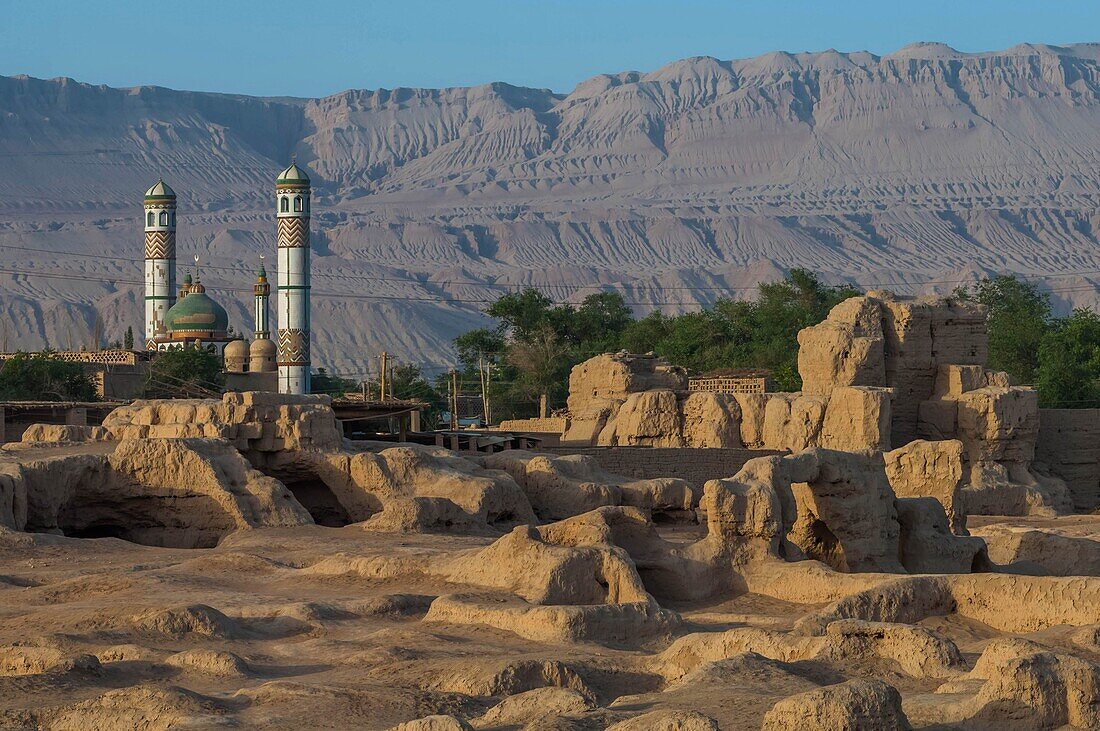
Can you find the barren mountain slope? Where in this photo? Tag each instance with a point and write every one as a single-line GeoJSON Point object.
{"type": "Point", "coordinates": [921, 168]}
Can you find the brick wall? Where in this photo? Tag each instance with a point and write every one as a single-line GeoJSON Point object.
{"type": "Point", "coordinates": [549, 425]}
{"type": "Point", "coordinates": [1069, 446]}
{"type": "Point", "coordinates": [697, 466]}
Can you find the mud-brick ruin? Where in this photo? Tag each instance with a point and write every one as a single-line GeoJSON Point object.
{"type": "Point", "coordinates": [898, 546]}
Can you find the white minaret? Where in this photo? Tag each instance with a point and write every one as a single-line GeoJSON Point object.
{"type": "Point", "coordinates": [261, 289]}
{"type": "Point", "coordinates": [160, 257]}
{"type": "Point", "coordinates": [292, 299]}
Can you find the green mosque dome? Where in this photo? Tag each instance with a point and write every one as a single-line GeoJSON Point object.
{"type": "Point", "coordinates": [197, 313]}
{"type": "Point", "coordinates": [293, 175]}
{"type": "Point", "coordinates": [160, 192]}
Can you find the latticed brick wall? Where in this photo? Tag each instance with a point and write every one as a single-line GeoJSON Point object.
{"type": "Point", "coordinates": [729, 384]}
{"type": "Point", "coordinates": [104, 357]}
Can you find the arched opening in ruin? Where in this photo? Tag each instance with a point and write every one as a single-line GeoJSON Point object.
{"type": "Point", "coordinates": [310, 490]}
{"type": "Point", "coordinates": [99, 530]}
{"type": "Point", "coordinates": [319, 499]}
{"type": "Point", "coordinates": [177, 521]}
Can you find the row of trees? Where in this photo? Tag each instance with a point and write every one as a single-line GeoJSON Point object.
{"type": "Point", "coordinates": [45, 377]}
{"type": "Point", "coordinates": [536, 343]}
{"type": "Point", "coordinates": [1060, 356]}
{"type": "Point", "coordinates": [527, 357]}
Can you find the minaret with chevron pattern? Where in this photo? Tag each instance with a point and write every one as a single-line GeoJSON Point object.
{"type": "Point", "coordinates": [292, 191]}
{"type": "Point", "coordinates": [160, 257]}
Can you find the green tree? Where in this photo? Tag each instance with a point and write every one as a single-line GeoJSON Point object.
{"type": "Point", "coordinates": [597, 324]}
{"type": "Point", "coordinates": [185, 373]}
{"type": "Point", "coordinates": [480, 343]}
{"type": "Point", "coordinates": [1068, 371]}
{"type": "Point", "coordinates": [762, 333]}
{"type": "Point", "coordinates": [320, 381]}
{"type": "Point", "coordinates": [522, 313]}
{"type": "Point", "coordinates": [642, 336]}
{"type": "Point", "coordinates": [128, 340]}
{"type": "Point", "coordinates": [542, 363]}
{"type": "Point", "coordinates": [44, 377]}
{"type": "Point", "coordinates": [1019, 318]}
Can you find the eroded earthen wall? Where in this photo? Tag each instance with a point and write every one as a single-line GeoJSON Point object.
{"type": "Point", "coordinates": [1069, 447]}
{"type": "Point", "coordinates": [695, 465]}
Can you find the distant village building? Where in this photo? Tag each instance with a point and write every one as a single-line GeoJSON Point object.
{"type": "Point", "coordinates": [117, 374]}
{"type": "Point", "coordinates": [732, 381]}
{"type": "Point", "coordinates": [192, 318]}
{"type": "Point", "coordinates": [160, 256]}
{"type": "Point", "coordinates": [292, 194]}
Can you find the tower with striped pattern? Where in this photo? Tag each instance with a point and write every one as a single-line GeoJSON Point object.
{"type": "Point", "coordinates": [261, 290]}
{"type": "Point", "coordinates": [292, 190]}
{"type": "Point", "coordinates": [160, 257]}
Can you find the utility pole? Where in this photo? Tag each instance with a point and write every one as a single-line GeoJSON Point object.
{"type": "Point", "coordinates": [454, 400]}
{"type": "Point", "coordinates": [382, 391]}
{"type": "Point", "coordinates": [481, 378]}
{"type": "Point", "coordinates": [482, 371]}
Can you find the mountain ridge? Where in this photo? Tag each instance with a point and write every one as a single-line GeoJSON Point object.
{"type": "Point", "coordinates": [675, 186]}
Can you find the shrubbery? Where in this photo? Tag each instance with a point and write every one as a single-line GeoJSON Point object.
{"type": "Point", "coordinates": [185, 373]}
{"type": "Point", "coordinates": [44, 377]}
{"type": "Point", "coordinates": [537, 342]}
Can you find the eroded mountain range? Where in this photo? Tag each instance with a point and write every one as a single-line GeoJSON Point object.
{"type": "Point", "coordinates": [917, 170]}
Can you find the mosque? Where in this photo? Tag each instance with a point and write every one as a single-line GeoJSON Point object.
{"type": "Point", "coordinates": [190, 317]}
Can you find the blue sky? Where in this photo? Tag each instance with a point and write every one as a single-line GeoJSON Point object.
{"type": "Point", "coordinates": [320, 47]}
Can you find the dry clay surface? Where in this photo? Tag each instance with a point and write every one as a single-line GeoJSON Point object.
{"type": "Point", "coordinates": [313, 627]}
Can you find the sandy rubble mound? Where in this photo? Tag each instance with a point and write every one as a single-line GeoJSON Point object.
{"type": "Point", "coordinates": [534, 705]}
{"type": "Point", "coordinates": [30, 659]}
{"type": "Point", "coordinates": [1042, 550]}
{"type": "Point", "coordinates": [423, 488]}
{"type": "Point", "coordinates": [545, 573]}
{"type": "Point", "coordinates": [143, 707]}
{"type": "Point", "coordinates": [510, 677]}
{"type": "Point", "coordinates": [433, 723]}
{"type": "Point", "coordinates": [210, 662]}
{"type": "Point", "coordinates": [915, 651]}
{"type": "Point", "coordinates": [170, 492]}
{"type": "Point", "coordinates": [411, 587]}
{"type": "Point", "coordinates": [1017, 684]}
{"type": "Point", "coordinates": [192, 619]}
{"type": "Point", "coordinates": [608, 623]}
{"type": "Point", "coordinates": [562, 486]}
{"type": "Point", "coordinates": [667, 721]}
{"type": "Point", "coordinates": [867, 705]}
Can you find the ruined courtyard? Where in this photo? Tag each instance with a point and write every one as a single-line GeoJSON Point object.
{"type": "Point", "coordinates": [909, 542]}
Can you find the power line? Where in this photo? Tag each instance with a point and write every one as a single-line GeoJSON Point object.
{"type": "Point", "coordinates": [514, 287]}
{"type": "Point", "coordinates": [470, 300]}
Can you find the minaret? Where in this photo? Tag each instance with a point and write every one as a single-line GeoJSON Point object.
{"type": "Point", "coordinates": [160, 256]}
{"type": "Point", "coordinates": [185, 288]}
{"type": "Point", "coordinates": [262, 289]}
{"type": "Point", "coordinates": [292, 204]}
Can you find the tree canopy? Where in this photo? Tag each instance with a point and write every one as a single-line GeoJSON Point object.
{"type": "Point", "coordinates": [536, 342]}
{"type": "Point", "coordinates": [1019, 318]}
{"type": "Point", "coordinates": [1059, 356]}
{"type": "Point", "coordinates": [184, 373]}
{"type": "Point", "coordinates": [45, 377]}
